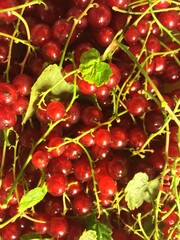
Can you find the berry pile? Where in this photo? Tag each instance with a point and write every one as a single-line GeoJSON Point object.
{"type": "Point", "coordinates": [90, 119]}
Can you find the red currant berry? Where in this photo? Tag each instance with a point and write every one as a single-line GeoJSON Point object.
{"type": "Point", "coordinates": [171, 219]}
{"type": "Point", "coordinates": [58, 227]}
{"type": "Point", "coordinates": [107, 186]}
{"type": "Point", "coordinates": [41, 228]}
{"type": "Point", "coordinates": [60, 165]}
{"type": "Point", "coordinates": [55, 110]}
{"type": "Point", "coordinates": [82, 169]}
{"type": "Point", "coordinates": [81, 204]}
{"type": "Point", "coordinates": [100, 16]}
{"type": "Point", "coordinates": [102, 137]}
{"type": "Point", "coordinates": [132, 35]}
{"type": "Point", "coordinates": [57, 184]}
{"type": "Point", "coordinates": [7, 117]}
{"type": "Point", "coordinates": [40, 34]}
{"type": "Point", "coordinates": [169, 19]}
{"type": "Point", "coordinates": [40, 159]}
{"type": "Point", "coordinates": [91, 116]}
{"type": "Point", "coordinates": [23, 84]}
{"type": "Point", "coordinates": [137, 105]}
{"type": "Point", "coordinates": [119, 137]}
{"type": "Point", "coordinates": [137, 137]}
{"type": "Point", "coordinates": [8, 93]}
{"type": "Point", "coordinates": [51, 51]}
{"type": "Point", "coordinates": [8, 16]}
{"type": "Point", "coordinates": [55, 144]}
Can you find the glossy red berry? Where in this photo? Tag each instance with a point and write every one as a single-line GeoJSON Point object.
{"type": "Point", "coordinates": [137, 105]}
{"type": "Point", "coordinates": [8, 16]}
{"type": "Point", "coordinates": [82, 169]}
{"type": "Point", "coordinates": [41, 228]}
{"type": "Point", "coordinates": [7, 117]}
{"type": "Point", "coordinates": [74, 186]}
{"type": "Point", "coordinates": [40, 159]}
{"type": "Point", "coordinates": [51, 51]}
{"type": "Point", "coordinates": [100, 16]}
{"type": "Point", "coordinates": [60, 30]}
{"type": "Point", "coordinates": [8, 93]}
{"type": "Point", "coordinates": [20, 105]}
{"type": "Point", "coordinates": [132, 35]}
{"type": "Point", "coordinates": [105, 36]}
{"type": "Point", "coordinates": [40, 34]}
{"type": "Point", "coordinates": [58, 227]}
{"type": "Point", "coordinates": [56, 147]}
{"type": "Point", "coordinates": [60, 165]}
{"type": "Point", "coordinates": [169, 19]}
{"type": "Point", "coordinates": [119, 138]}
{"type": "Point", "coordinates": [102, 137]}
{"type": "Point", "coordinates": [91, 116]}
{"type": "Point", "coordinates": [171, 219]}
{"type": "Point", "coordinates": [11, 231]}
{"type": "Point", "coordinates": [57, 184]}
{"type": "Point", "coordinates": [107, 186]}
{"type": "Point", "coordinates": [137, 137]}
{"type": "Point", "coordinates": [55, 110]}
{"type": "Point", "coordinates": [23, 83]}
{"type": "Point", "coordinates": [81, 204]}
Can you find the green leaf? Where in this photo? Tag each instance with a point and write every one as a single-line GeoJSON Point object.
{"type": "Point", "coordinates": [90, 55]}
{"type": "Point", "coordinates": [93, 70]}
{"type": "Point", "coordinates": [32, 198]}
{"type": "Point", "coordinates": [51, 78]}
{"type": "Point", "coordinates": [88, 235]}
{"type": "Point", "coordinates": [140, 189]}
{"type": "Point", "coordinates": [31, 236]}
{"type": "Point", "coordinates": [103, 231]}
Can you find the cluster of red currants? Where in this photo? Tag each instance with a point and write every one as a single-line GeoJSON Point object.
{"type": "Point", "coordinates": [87, 144]}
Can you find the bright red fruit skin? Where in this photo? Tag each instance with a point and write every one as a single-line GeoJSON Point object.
{"type": "Point", "coordinates": [137, 105]}
{"type": "Point", "coordinates": [58, 227]}
{"type": "Point", "coordinates": [81, 204]}
{"type": "Point", "coordinates": [55, 111]}
{"type": "Point", "coordinates": [57, 184]}
{"type": "Point", "coordinates": [8, 93]}
{"type": "Point", "coordinates": [40, 159]}
{"type": "Point", "coordinates": [8, 16]}
{"type": "Point", "coordinates": [7, 117]}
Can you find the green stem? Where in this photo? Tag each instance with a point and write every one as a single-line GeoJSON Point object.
{"type": "Point", "coordinates": [90, 5]}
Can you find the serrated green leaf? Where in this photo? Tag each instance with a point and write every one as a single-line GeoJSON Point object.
{"type": "Point", "coordinates": [50, 78]}
{"type": "Point", "coordinates": [90, 55]}
{"type": "Point", "coordinates": [140, 189]}
{"type": "Point", "coordinates": [32, 198]}
{"type": "Point", "coordinates": [152, 190]}
{"type": "Point", "coordinates": [93, 70]}
{"type": "Point", "coordinates": [103, 231]}
{"type": "Point", "coordinates": [89, 235]}
{"type": "Point", "coordinates": [135, 190]}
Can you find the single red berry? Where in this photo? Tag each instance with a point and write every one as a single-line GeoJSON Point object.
{"type": "Point", "coordinates": [40, 159]}
{"type": "Point", "coordinates": [57, 184]}
{"type": "Point", "coordinates": [55, 146]}
{"type": "Point", "coordinates": [58, 227]}
{"type": "Point", "coordinates": [41, 228]}
{"type": "Point", "coordinates": [137, 105]}
{"type": "Point", "coordinates": [81, 204]}
{"type": "Point", "coordinates": [171, 219]}
{"type": "Point", "coordinates": [55, 110]}
{"type": "Point", "coordinates": [8, 93]}
{"type": "Point", "coordinates": [107, 186]}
